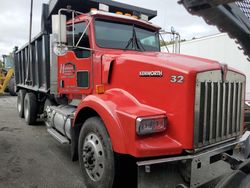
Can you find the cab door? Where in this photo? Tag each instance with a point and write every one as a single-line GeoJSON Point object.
{"type": "Point", "coordinates": [75, 67]}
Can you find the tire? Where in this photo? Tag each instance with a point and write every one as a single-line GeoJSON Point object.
{"type": "Point", "coordinates": [30, 108]}
{"type": "Point", "coordinates": [94, 143]}
{"type": "Point", "coordinates": [20, 103]}
{"type": "Point", "coordinates": [11, 87]}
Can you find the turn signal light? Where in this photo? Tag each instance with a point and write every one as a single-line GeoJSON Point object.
{"type": "Point", "coordinates": [100, 89]}
{"type": "Point", "coordinates": [150, 125]}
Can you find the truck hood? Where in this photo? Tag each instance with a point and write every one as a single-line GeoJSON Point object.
{"type": "Point", "coordinates": [163, 81]}
{"type": "Point", "coordinates": [177, 62]}
{"type": "Point", "coordinates": [175, 97]}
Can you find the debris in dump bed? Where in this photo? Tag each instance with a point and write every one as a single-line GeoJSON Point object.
{"type": "Point", "coordinates": [229, 16]}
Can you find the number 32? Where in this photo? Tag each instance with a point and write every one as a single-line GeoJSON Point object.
{"type": "Point", "coordinates": [177, 79]}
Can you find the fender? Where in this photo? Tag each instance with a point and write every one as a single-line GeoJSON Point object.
{"type": "Point", "coordinates": [118, 109]}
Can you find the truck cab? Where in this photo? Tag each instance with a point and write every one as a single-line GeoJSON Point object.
{"type": "Point", "coordinates": [101, 35]}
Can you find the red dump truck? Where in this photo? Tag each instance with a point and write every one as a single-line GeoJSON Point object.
{"type": "Point", "coordinates": [96, 75]}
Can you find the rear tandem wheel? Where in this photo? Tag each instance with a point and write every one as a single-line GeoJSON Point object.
{"type": "Point", "coordinates": [20, 102]}
{"type": "Point", "coordinates": [30, 108]}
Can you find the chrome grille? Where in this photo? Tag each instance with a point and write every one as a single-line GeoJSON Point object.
{"type": "Point", "coordinates": [218, 107]}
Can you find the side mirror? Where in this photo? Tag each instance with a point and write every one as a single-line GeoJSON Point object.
{"type": "Point", "coordinates": [59, 26]}
{"type": "Point", "coordinates": [59, 29]}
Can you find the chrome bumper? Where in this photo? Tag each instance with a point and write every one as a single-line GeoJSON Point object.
{"type": "Point", "coordinates": [247, 119]}
{"type": "Point", "coordinates": [204, 166]}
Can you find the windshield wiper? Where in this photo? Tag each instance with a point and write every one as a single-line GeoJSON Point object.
{"type": "Point", "coordinates": [135, 42]}
{"type": "Point", "coordinates": [139, 44]}
{"type": "Point", "coordinates": [131, 40]}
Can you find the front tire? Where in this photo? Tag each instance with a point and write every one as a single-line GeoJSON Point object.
{"type": "Point", "coordinates": [20, 103]}
{"type": "Point", "coordinates": [96, 156]}
{"type": "Point", "coordinates": [30, 108]}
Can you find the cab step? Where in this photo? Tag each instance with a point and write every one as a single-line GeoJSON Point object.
{"type": "Point", "coordinates": [60, 138]}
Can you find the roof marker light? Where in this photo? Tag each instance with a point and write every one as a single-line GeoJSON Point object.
{"type": "Point", "coordinates": [144, 17]}
{"type": "Point", "coordinates": [127, 14]}
{"type": "Point", "coordinates": [93, 10]}
{"type": "Point", "coordinates": [103, 7]}
{"type": "Point", "coordinates": [120, 13]}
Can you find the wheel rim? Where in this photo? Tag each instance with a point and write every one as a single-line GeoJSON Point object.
{"type": "Point", "coordinates": [26, 109]}
{"type": "Point", "coordinates": [93, 157]}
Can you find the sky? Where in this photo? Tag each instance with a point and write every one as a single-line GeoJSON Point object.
{"type": "Point", "coordinates": [14, 20]}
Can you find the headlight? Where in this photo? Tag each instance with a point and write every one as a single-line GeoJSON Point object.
{"type": "Point", "coordinates": [247, 103]}
{"type": "Point", "coordinates": [150, 125]}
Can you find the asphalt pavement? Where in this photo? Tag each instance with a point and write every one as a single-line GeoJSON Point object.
{"type": "Point", "coordinates": [30, 157]}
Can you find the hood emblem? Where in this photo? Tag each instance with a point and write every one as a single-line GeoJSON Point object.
{"type": "Point", "coordinates": [224, 70]}
{"type": "Point", "coordinates": [151, 74]}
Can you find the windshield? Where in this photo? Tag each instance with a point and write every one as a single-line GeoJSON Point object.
{"type": "Point", "coordinates": [125, 36]}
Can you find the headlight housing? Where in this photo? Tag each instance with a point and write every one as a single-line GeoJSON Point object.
{"type": "Point", "coordinates": [150, 125]}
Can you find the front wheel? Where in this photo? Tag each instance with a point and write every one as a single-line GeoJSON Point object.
{"type": "Point", "coordinates": [96, 156]}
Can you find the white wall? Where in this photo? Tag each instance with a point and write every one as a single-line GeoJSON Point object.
{"type": "Point", "coordinates": [221, 48]}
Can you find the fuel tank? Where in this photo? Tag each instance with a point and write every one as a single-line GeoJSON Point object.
{"type": "Point", "coordinates": [60, 118]}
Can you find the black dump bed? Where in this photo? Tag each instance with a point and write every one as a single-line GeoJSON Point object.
{"type": "Point", "coordinates": [32, 61]}
{"type": "Point", "coordinates": [34, 75]}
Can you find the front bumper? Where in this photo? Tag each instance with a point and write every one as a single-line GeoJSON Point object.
{"type": "Point", "coordinates": [197, 169]}
{"type": "Point", "coordinates": [247, 119]}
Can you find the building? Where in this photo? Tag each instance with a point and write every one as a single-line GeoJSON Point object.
{"type": "Point", "coordinates": [218, 47]}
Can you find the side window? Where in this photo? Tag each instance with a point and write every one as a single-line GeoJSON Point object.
{"type": "Point", "coordinates": [73, 39]}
